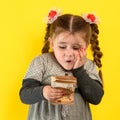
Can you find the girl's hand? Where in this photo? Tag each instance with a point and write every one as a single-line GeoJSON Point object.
{"type": "Point", "coordinates": [52, 93]}
{"type": "Point", "coordinates": [80, 58]}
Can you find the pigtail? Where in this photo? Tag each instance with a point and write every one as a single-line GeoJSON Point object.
{"type": "Point", "coordinates": [97, 54]}
{"type": "Point", "coordinates": [46, 46]}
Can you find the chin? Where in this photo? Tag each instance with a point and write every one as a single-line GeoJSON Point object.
{"type": "Point", "coordinates": [68, 68]}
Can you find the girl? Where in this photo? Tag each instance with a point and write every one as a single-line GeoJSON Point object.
{"type": "Point", "coordinates": [68, 36]}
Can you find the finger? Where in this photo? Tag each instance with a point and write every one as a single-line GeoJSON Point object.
{"type": "Point", "coordinates": [78, 56]}
{"type": "Point", "coordinates": [83, 50]}
{"type": "Point", "coordinates": [57, 90]}
{"type": "Point", "coordinates": [83, 53]}
{"type": "Point", "coordinates": [53, 99]}
{"type": "Point", "coordinates": [56, 96]}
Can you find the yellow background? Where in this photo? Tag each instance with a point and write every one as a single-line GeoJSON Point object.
{"type": "Point", "coordinates": [21, 38]}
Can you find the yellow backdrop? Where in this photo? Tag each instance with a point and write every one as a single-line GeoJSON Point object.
{"type": "Point", "coordinates": [21, 38]}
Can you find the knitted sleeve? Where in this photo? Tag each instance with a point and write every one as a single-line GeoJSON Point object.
{"type": "Point", "coordinates": [89, 84]}
{"type": "Point", "coordinates": [32, 89]}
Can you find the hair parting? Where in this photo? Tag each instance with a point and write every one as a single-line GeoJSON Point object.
{"type": "Point", "coordinates": [71, 21]}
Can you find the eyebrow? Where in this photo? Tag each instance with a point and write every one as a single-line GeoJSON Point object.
{"type": "Point", "coordinates": [79, 44]}
{"type": "Point", "coordinates": [62, 43]}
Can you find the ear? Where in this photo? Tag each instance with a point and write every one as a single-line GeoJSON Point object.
{"type": "Point", "coordinates": [51, 42]}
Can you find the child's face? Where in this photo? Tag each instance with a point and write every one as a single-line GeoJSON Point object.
{"type": "Point", "coordinates": [66, 46]}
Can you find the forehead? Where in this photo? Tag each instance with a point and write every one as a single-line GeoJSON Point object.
{"type": "Point", "coordinates": [69, 37]}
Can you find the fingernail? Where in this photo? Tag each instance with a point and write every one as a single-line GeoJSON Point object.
{"type": "Point", "coordinates": [83, 49]}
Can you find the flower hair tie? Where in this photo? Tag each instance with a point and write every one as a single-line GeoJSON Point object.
{"type": "Point", "coordinates": [91, 18]}
{"type": "Point", "coordinates": [53, 15]}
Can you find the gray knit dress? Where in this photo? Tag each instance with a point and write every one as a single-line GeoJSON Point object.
{"type": "Point", "coordinates": [42, 68]}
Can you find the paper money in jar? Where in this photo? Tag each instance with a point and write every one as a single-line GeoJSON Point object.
{"type": "Point", "coordinates": [68, 85]}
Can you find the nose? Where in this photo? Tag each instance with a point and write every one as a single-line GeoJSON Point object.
{"type": "Point", "coordinates": [69, 53]}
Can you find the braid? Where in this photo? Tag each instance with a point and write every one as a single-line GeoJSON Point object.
{"type": "Point", "coordinates": [97, 54]}
{"type": "Point", "coordinates": [46, 46]}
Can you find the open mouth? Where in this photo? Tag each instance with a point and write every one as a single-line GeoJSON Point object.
{"type": "Point", "coordinates": [68, 61]}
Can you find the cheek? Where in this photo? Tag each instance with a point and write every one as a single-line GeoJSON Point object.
{"type": "Point", "coordinates": [55, 50]}
{"type": "Point", "coordinates": [76, 53]}
{"type": "Point", "coordinates": [58, 53]}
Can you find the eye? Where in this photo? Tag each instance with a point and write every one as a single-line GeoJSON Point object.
{"type": "Point", "coordinates": [76, 48]}
{"type": "Point", "coordinates": [62, 47]}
